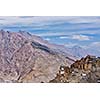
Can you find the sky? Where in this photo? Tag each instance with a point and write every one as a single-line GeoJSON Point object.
{"type": "Point", "coordinates": [70, 31]}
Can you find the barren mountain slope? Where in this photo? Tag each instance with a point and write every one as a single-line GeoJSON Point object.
{"type": "Point", "coordinates": [24, 58]}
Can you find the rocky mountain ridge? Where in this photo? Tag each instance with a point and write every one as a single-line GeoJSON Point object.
{"type": "Point", "coordinates": [28, 58]}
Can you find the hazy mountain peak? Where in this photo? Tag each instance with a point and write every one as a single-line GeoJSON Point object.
{"type": "Point", "coordinates": [77, 47]}
{"type": "Point", "coordinates": [79, 51]}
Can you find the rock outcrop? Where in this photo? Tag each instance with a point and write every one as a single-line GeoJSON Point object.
{"type": "Point", "coordinates": [85, 70]}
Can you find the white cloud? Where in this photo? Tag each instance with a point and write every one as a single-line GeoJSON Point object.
{"type": "Point", "coordinates": [80, 37]}
{"type": "Point", "coordinates": [38, 19]}
{"type": "Point", "coordinates": [15, 20]}
{"type": "Point", "coordinates": [44, 22]}
{"type": "Point", "coordinates": [48, 39]}
{"type": "Point", "coordinates": [63, 37]}
{"type": "Point", "coordinates": [30, 19]}
{"type": "Point", "coordinates": [86, 19]}
{"type": "Point", "coordinates": [51, 34]}
{"type": "Point", "coordinates": [76, 37]}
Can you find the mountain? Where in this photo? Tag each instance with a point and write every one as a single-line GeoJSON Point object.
{"type": "Point", "coordinates": [80, 52]}
{"type": "Point", "coordinates": [28, 58]}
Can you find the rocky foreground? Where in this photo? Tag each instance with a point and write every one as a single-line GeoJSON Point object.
{"type": "Point", "coordinates": [85, 70]}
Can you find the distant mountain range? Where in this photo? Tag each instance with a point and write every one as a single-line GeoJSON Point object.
{"type": "Point", "coordinates": [80, 52]}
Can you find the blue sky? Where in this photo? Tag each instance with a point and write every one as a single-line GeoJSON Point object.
{"type": "Point", "coordinates": [66, 30]}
